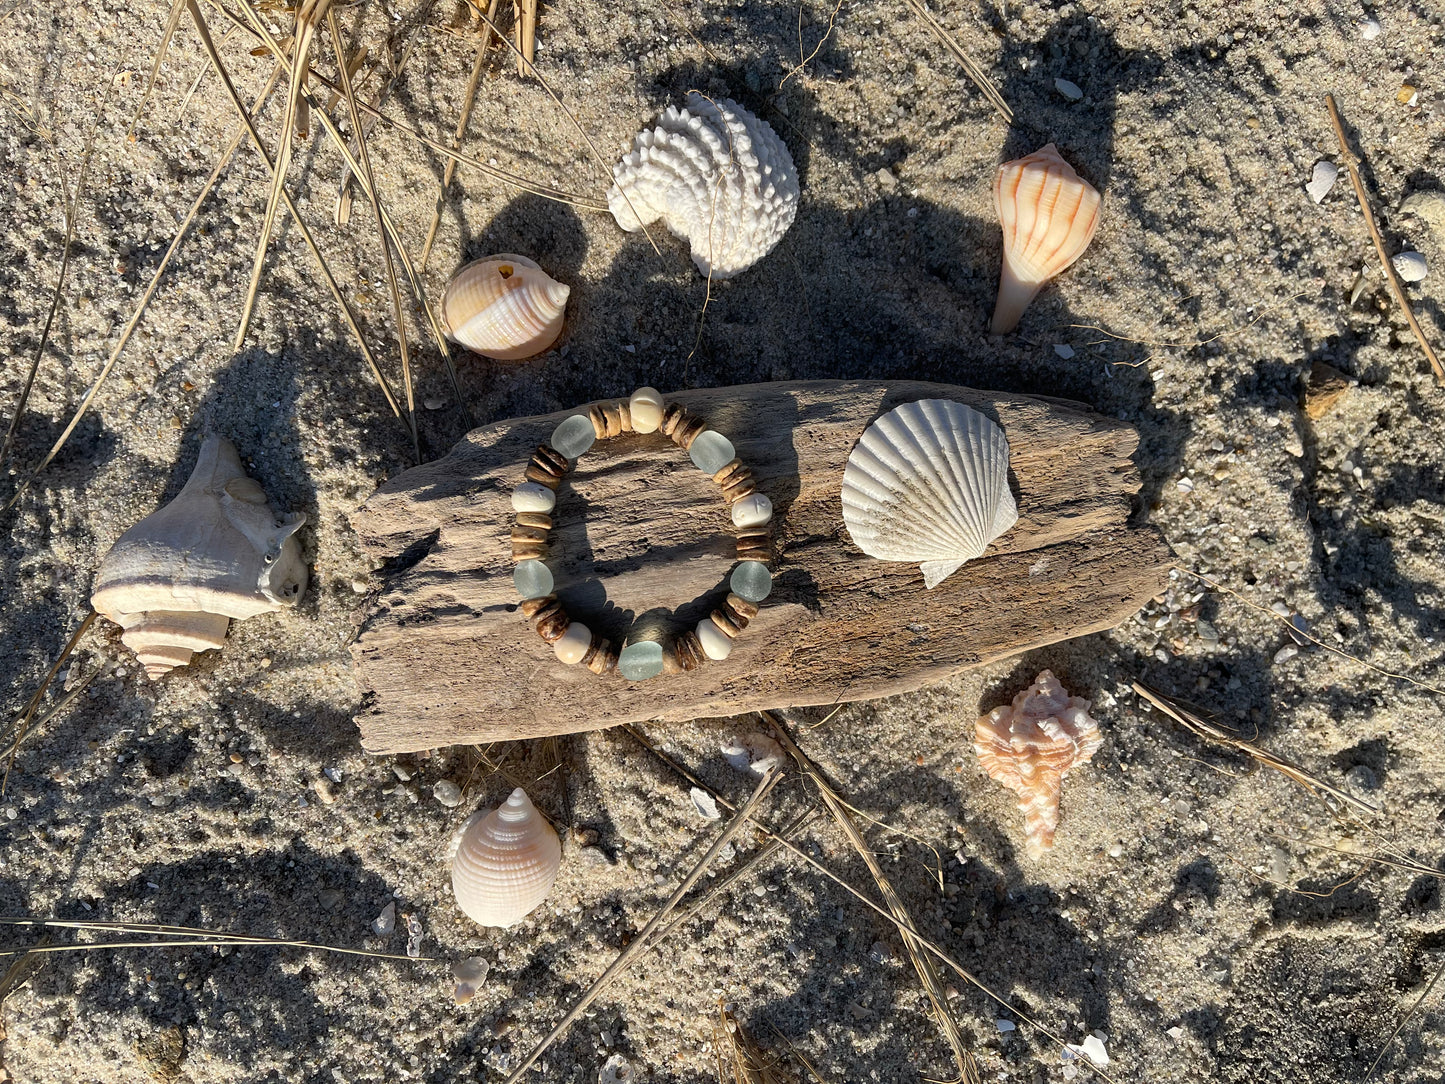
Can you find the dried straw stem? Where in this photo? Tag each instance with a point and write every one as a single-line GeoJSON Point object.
{"type": "Point", "coordinates": [1351, 163]}
{"type": "Point", "coordinates": [970, 66]}
{"type": "Point", "coordinates": [21, 725]}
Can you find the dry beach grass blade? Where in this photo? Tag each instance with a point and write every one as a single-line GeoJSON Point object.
{"type": "Point", "coordinates": [637, 944]}
{"type": "Point", "coordinates": [178, 937]}
{"type": "Point", "coordinates": [21, 724]}
{"type": "Point", "coordinates": [927, 973]}
{"type": "Point", "coordinates": [1401, 1025]}
{"type": "Point", "coordinates": [903, 926]}
{"type": "Point", "coordinates": [1352, 164]}
{"type": "Point", "coordinates": [738, 1058]}
{"type": "Point", "coordinates": [970, 66]}
{"type": "Point", "coordinates": [1289, 769]}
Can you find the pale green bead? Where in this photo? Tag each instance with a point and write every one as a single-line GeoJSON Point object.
{"type": "Point", "coordinates": [640, 661]}
{"type": "Point", "coordinates": [752, 580]}
{"type": "Point", "coordinates": [533, 579]}
{"type": "Point", "coordinates": [711, 451]}
{"type": "Point", "coordinates": [574, 436]}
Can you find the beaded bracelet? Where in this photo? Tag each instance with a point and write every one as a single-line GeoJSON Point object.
{"type": "Point", "coordinates": [535, 499]}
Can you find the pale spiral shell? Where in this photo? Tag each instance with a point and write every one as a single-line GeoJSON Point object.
{"type": "Point", "coordinates": [1031, 744]}
{"type": "Point", "coordinates": [504, 307]}
{"type": "Point", "coordinates": [175, 580]}
{"type": "Point", "coordinates": [504, 862]}
{"type": "Point", "coordinates": [1048, 214]}
{"type": "Point", "coordinates": [717, 177]}
{"type": "Point", "coordinates": [928, 482]}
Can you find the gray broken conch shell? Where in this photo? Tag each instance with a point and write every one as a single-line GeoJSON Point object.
{"type": "Point", "coordinates": [177, 578]}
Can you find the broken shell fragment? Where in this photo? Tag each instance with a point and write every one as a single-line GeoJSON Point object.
{"type": "Point", "coordinates": [504, 862]}
{"type": "Point", "coordinates": [1031, 744]}
{"type": "Point", "coordinates": [504, 307]}
{"type": "Point", "coordinates": [928, 483]}
{"type": "Point", "coordinates": [717, 177]}
{"type": "Point", "coordinates": [1049, 215]}
{"type": "Point", "coordinates": [1410, 266]}
{"type": "Point", "coordinates": [469, 975]}
{"type": "Point", "coordinates": [217, 552]}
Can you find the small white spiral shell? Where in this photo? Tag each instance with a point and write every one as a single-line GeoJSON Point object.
{"type": "Point", "coordinates": [504, 862]}
{"type": "Point", "coordinates": [504, 307]}
{"type": "Point", "coordinates": [717, 177]}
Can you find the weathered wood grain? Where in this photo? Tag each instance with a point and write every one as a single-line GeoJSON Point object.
{"type": "Point", "coordinates": [641, 531]}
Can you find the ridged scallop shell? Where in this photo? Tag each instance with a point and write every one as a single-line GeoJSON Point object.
{"type": "Point", "coordinates": [928, 482]}
{"type": "Point", "coordinates": [504, 307]}
{"type": "Point", "coordinates": [717, 176]}
{"type": "Point", "coordinates": [504, 862]}
{"type": "Point", "coordinates": [1048, 214]}
{"type": "Point", "coordinates": [177, 578]}
{"type": "Point", "coordinates": [1031, 744]}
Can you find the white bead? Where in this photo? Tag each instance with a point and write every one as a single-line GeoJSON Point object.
{"type": "Point", "coordinates": [754, 510]}
{"type": "Point", "coordinates": [573, 644]}
{"type": "Point", "coordinates": [646, 409]}
{"type": "Point", "coordinates": [533, 497]}
{"type": "Point", "coordinates": [716, 644]}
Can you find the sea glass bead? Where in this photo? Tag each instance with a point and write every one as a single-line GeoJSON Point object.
{"type": "Point", "coordinates": [574, 436]}
{"type": "Point", "coordinates": [531, 497]}
{"type": "Point", "coordinates": [711, 451]}
{"type": "Point", "coordinates": [753, 510]}
{"type": "Point", "coordinates": [752, 580]}
{"type": "Point", "coordinates": [532, 579]}
{"type": "Point", "coordinates": [645, 407]}
{"type": "Point", "coordinates": [573, 644]}
{"type": "Point", "coordinates": [640, 660]}
{"type": "Point", "coordinates": [716, 644]}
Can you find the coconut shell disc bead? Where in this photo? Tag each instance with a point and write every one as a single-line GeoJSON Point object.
{"type": "Point", "coordinates": [653, 651]}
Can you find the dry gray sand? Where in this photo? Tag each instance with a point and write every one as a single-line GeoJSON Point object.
{"type": "Point", "coordinates": [1185, 913]}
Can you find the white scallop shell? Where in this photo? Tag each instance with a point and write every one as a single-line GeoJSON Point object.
{"type": "Point", "coordinates": [504, 862]}
{"type": "Point", "coordinates": [717, 176]}
{"type": "Point", "coordinates": [176, 579]}
{"type": "Point", "coordinates": [504, 307]}
{"type": "Point", "coordinates": [928, 482]}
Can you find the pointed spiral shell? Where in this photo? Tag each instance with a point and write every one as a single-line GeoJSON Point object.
{"type": "Point", "coordinates": [504, 862]}
{"type": "Point", "coordinates": [504, 307]}
{"type": "Point", "coordinates": [1031, 744]}
{"type": "Point", "coordinates": [217, 552]}
{"type": "Point", "coordinates": [1049, 215]}
{"type": "Point", "coordinates": [717, 176]}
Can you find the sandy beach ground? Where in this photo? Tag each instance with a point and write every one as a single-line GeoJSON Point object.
{"type": "Point", "coordinates": [1213, 921]}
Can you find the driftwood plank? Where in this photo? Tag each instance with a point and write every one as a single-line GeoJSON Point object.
{"type": "Point", "coordinates": [450, 660]}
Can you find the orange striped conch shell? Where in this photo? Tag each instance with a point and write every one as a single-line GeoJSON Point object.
{"type": "Point", "coordinates": [1031, 744]}
{"type": "Point", "coordinates": [1048, 214]}
{"type": "Point", "coordinates": [504, 307]}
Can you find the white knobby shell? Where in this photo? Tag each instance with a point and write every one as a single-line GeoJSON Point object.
{"type": "Point", "coordinates": [717, 176]}
{"type": "Point", "coordinates": [928, 482]}
{"type": "Point", "coordinates": [216, 552]}
{"type": "Point", "coordinates": [504, 307]}
{"type": "Point", "coordinates": [504, 862]}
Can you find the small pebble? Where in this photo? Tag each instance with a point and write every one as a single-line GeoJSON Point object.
{"type": "Point", "coordinates": [1185, 485]}
{"type": "Point", "coordinates": [1004, 1025]}
{"type": "Point", "coordinates": [333, 774]}
{"type": "Point", "coordinates": [433, 402]}
{"type": "Point", "coordinates": [403, 772]}
{"type": "Point", "coordinates": [1408, 95]}
{"type": "Point", "coordinates": [1410, 266]}
{"type": "Point", "coordinates": [1069, 90]}
{"type": "Point", "coordinates": [1176, 1032]}
{"type": "Point", "coordinates": [447, 793]}
{"type": "Point", "coordinates": [385, 922]}
{"type": "Point", "coordinates": [703, 802]}
{"type": "Point", "coordinates": [1285, 653]}
{"type": "Point", "coordinates": [1369, 28]}
{"type": "Point", "coordinates": [324, 791]}
{"type": "Point", "coordinates": [1063, 350]}
{"type": "Point", "coordinates": [360, 586]}
{"type": "Point", "coordinates": [1325, 175]}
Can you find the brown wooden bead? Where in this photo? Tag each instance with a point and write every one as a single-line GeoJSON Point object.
{"type": "Point", "coordinates": [547, 467]}
{"type": "Point", "coordinates": [730, 469]}
{"type": "Point", "coordinates": [528, 549]}
{"type": "Point", "coordinates": [604, 661]}
{"type": "Point", "coordinates": [522, 533]}
{"type": "Point", "coordinates": [688, 433]}
{"type": "Point", "coordinates": [535, 519]}
{"type": "Point", "coordinates": [689, 650]}
{"type": "Point", "coordinates": [741, 607]}
{"type": "Point", "coordinates": [671, 664]}
{"type": "Point", "coordinates": [681, 425]}
{"type": "Point", "coordinates": [612, 415]}
{"type": "Point", "coordinates": [592, 649]}
{"type": "Point", "coordinates": [598, 418]}
{"type": "Point", "coordinates": [739, 489]}
{"type": "Point", "coordinates": [531, 607]}
{"type": "Point", "coordinates": [624, 415]}
{"type": "Point", "coordinates": [727, 623]}
{"type": "Point", "coordinates": [553, 625]}
{"type": "Point", "coordinates": [536, 474]}
{"type": "Point", "coordinates": [548, 607]}
{"type": "Point", "coordinates": [673, 415]}
{"type": "Point", "coordinates": [751, 544]}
